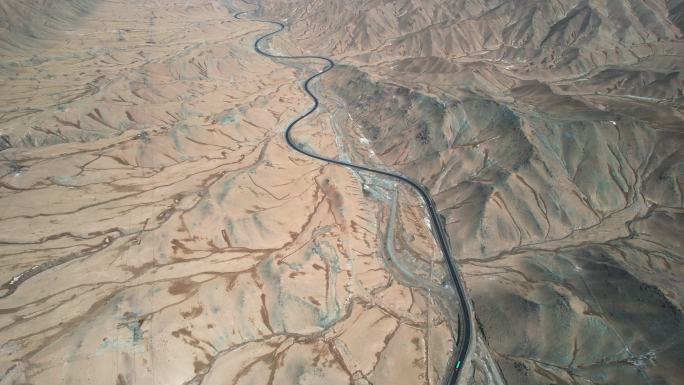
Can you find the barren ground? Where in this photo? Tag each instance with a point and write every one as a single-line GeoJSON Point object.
{"type": "Point", "coordinates": [155, 228]}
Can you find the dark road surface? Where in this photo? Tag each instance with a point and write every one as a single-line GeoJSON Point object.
{"type": "Point", "coordinates": [465, 327]}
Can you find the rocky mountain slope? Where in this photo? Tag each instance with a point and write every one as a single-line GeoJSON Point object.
{"type": "Point", "coordinates": [551, 135]}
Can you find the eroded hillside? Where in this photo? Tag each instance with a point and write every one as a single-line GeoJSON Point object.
{"type": "Point", "coordinates": [551, 135]}
{"type": "Point", "coordinates": [156, 228]}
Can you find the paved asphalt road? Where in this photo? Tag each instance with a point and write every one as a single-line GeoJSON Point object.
{"type": "Point", "coordinates": [465, 329]}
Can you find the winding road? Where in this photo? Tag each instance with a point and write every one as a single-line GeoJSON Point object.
{"type": "Point", "coordinates": [440, 234]}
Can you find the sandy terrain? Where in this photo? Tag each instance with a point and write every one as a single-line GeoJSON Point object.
{"type": "Point", "coordinates": [155, 228]}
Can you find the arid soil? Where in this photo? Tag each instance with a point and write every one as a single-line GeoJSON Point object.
{"type": "Point", "coordinates": [550, 134]}
{"type": "Point", "coordinates": [155, 228]}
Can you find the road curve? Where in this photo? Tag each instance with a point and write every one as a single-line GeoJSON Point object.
{"type": "Point", "coordinates": [440, 234]}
